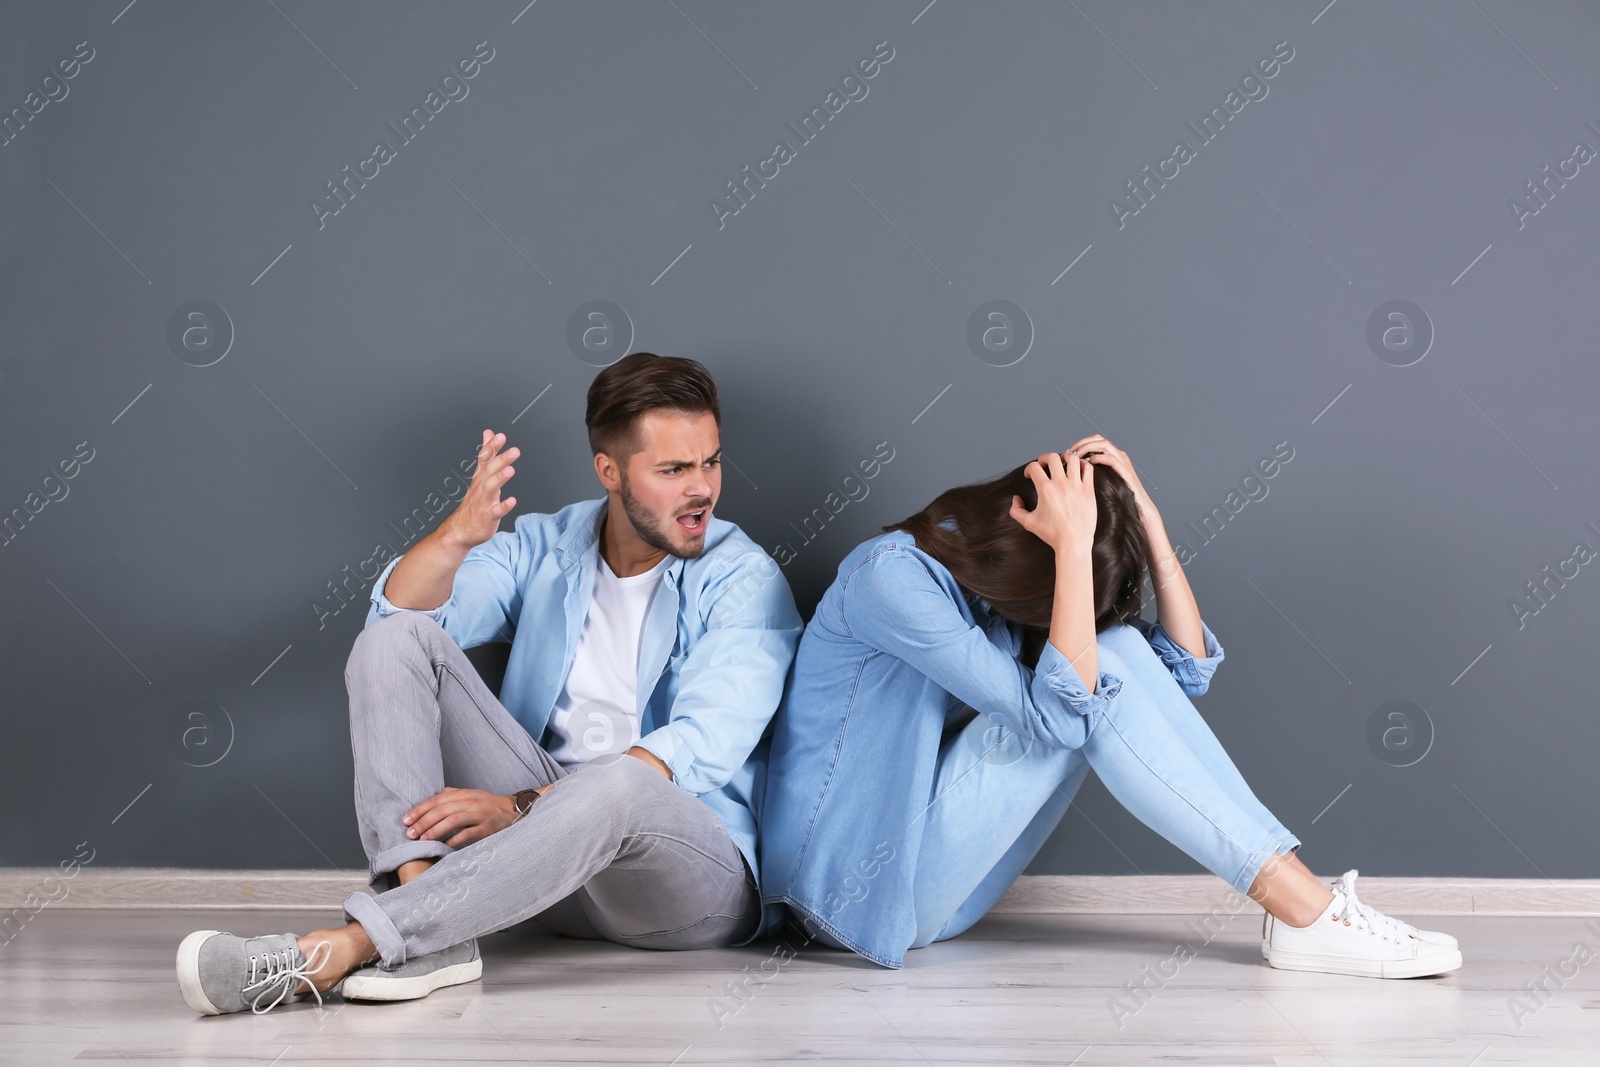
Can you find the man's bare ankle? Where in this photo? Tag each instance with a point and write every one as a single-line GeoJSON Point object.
{"type": "Point", "coordinates": [348, 949]}
{"type": "Point", "coordinates": [409, 870]}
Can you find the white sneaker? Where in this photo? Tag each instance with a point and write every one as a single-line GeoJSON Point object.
{"type": "Point", "coordinates": [1347, 885]}
{"type": "Point", "coordinates": [1354, 938]}
{"type": "Point", "coordinates": [416, 977]}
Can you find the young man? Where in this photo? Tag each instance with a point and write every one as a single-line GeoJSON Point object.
{"type": "Point", "coordinates": [649, 646]}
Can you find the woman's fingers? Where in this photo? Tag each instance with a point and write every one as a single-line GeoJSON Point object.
{"type": "Point", "coordinates": [1075, 465]}
{"type": "Point", "coordinates": [1094, 439]}
{"type": "Point", "coordinates": [1098, 444]}
{"type": "Point", "coordinates": [1123, 468]}
{"type": "Point", "coordinates": [1082, 443]}
{"type": "Point", "coordinates": [1028, 520]}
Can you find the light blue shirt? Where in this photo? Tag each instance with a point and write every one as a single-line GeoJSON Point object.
{"type": "Point", "coordinates": [895, 650]}
{"type": "Point", "coordinates": [716, 647]}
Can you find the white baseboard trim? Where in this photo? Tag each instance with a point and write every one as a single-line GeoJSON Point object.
{"type": "Point", "coordinates": [1072, 894]}
{"type": "Point", "coordinates": [176, 887]}
{"type": "Point", "coordinates": [1191, 894]}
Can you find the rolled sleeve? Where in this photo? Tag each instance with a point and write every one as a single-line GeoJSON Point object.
{"type": "Point", "coordinates": [667, 744]}
{"type": "Point", "coordinates": [382, 608]}
{"type": "Point", "coordinates": [1056, 671]}
{"type": "Point", "coordinates": [1192, 673]}
{"type": "Point", "coordinates": [895, 603]}
{"type": "Point", "coordinates": [485, 591]}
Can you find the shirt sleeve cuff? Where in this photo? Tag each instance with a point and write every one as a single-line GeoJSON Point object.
{"type": "Point", "coordinates": [1192, 672]}
{"type": "Point", "coordinates": [666, 744]}
{"type": "Point", "coordinates": [1057, 671]}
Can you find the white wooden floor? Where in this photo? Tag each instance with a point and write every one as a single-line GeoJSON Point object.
{"type": "Point", "coordinates": [1017, 989]}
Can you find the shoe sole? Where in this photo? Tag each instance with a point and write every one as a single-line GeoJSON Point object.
{"type": "Point", "coordinates": [413, 988]}
{"type": "Point", "coordinates": [1266, 941]}
{"type": "Point", "coordinates": [1450, 944]}
{"type": "Point", "coordinates": [1442, 963]}
{"type": "Point", "coordinates": [189, 972]}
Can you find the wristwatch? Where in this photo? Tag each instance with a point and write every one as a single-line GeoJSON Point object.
{"type": "Point", "coordinates": [523, 800]}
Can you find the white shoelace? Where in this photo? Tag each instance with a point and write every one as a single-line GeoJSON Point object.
{"type": "Point", "coordinates": [279, 972]}
{"type": "Point", "coordinates": [1385, 926]}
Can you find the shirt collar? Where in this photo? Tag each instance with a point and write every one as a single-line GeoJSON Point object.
{"type": "Point", "coordinates": [580, 543]}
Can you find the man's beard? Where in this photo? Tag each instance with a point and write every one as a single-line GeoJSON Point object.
{"type": "Point", "coordinates": [644, 525]}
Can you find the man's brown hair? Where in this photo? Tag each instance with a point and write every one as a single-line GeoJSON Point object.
{"type": "Point", "coordinates": [639, 383]}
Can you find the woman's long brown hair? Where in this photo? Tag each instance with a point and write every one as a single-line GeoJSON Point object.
{"type": "Point", "coordinates": [990, 554]}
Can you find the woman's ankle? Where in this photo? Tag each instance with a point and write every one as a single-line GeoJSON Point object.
{"type": "Point", "coordinates": [1289, 892]}
{"type": "Point", "coordinates": [1294, 913]}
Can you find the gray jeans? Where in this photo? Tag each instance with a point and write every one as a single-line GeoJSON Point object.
{"type": "Point", "coordinates": [613, 850]}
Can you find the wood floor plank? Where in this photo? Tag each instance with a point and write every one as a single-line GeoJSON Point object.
{"type": "Point", "coordinates": [1090, 990]}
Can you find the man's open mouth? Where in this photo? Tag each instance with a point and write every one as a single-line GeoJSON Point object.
{"type": "Point", "coordinates": [694, 521]}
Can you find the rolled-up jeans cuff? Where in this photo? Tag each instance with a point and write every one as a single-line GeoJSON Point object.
{"type": "Point", "coordinates": [1279, 842]}
{"type": "Point", "coordinates": [392, 859]}
{"type": "Point", "coordinates": [391, 944]}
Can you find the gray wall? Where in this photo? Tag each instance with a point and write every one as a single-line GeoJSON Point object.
{"type": "Point", "coordinates": [173, 606]}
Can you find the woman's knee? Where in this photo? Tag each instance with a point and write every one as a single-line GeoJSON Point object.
{"type": "Point", "coordinates": [1120, 639]}
{"type": "Point", "coordinates": [1112, 655]}
{"type": "Point", "coordinates": [1125, 646]}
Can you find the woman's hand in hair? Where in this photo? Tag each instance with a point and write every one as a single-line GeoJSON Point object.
{"type": "Point", "coordinates": [1175, 603]}
{"type": "Point", "coordinates": [1065, 515]}
{"type": "Point", "coordinates": [1107, 454]}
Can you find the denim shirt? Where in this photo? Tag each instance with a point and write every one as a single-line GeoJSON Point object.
{"type": "Point", "coordinates": [716, 646]}
{"type": "Point", "coordinates": [893, 653]}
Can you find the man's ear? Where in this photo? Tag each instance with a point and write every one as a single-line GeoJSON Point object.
{"type": "Point", "coordinates": [605, 468]}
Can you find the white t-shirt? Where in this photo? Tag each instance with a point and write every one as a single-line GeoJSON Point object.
{"type": "Point", "coordinates": [594, 715]}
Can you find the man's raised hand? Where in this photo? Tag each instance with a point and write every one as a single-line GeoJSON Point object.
{"type": "Point", "coordinates": [477, 517]}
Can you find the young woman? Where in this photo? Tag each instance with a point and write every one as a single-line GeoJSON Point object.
{"type": "Point", "coordinates": [938, 722]}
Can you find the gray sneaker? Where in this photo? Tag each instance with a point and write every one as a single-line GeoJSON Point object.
{"type": "Point", "coordinates": [220, 973]}
{"type": "Point", "coordinates": [417, 977]}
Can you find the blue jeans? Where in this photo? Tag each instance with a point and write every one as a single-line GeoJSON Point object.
{"type": "Point", "coordinates": [998, 796]}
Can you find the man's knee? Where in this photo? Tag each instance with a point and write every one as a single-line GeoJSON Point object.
{"type": "Point", "coordinates": [397, 633]}
{"type": "Point", "coordinates": [618, 791]}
